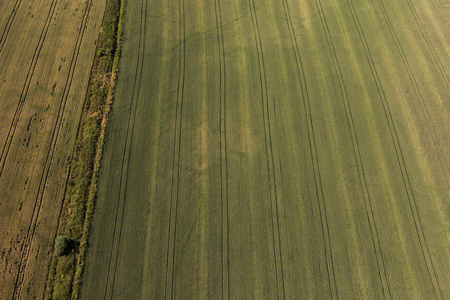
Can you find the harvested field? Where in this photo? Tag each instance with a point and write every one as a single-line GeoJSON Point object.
{"type": "Point", "coordinates": [46, 52]}
{"type": "Point", "coordinates": [277, 149]}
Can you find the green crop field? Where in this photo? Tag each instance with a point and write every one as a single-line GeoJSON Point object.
{"type": "Point", "coordinates": [265, 149]}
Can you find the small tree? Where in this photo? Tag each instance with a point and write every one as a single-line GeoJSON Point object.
{"type": "Point", "coordinates": [63, 245]}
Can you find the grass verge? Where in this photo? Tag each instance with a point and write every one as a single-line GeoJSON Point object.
{"type": "Point", "coordinates": [65, 272]}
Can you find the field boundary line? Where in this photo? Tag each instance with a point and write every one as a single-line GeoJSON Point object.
{"type": "Point", "coordinates": [400, 157]}
{"type": "Point", "coordinates": [326, 238]}
{"type": "Point", "coordinates": [223, 156]}
{"type": "Point", "coordinates": [26, 86]}
{"type": "Point", "coordinates": [415, 85]}
{"type": "Point", "coordinates": [273, 201]}
{"type": "Point", "coordinates": [49, 156]}
{"type": "Point", "coordinates": [176, 160]}
{"type": "Point", "coordinates": [7, 28]}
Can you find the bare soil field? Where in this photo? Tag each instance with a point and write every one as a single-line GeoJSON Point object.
{"type": "Point", "coordinates": [46, 52]}
{"type": "Point", "coordinates": [277, 149]}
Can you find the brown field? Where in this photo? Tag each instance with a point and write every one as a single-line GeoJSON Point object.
{"type": "Point", "coordinates": [46, 51]}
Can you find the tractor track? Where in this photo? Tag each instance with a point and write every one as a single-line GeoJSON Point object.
{"type": "Point", "coordinates": [26, 86]}
{"type": "Point", "coordinates": [415, 85]}
{"type": "Point", "coordinates": [429, 44]}
{"type": "Point", "coordinates": [276, 238]}
{"type": "Point", "coordinates": [376, 244]}
{"type": "Point", "coordinates": [326, 238]}
{"type": "Point", "coordinates": [26, 246]}
{"type": "Point", "coordinates": [169, 289]}
{"type": "Point", "coordinates": [223, 156]}
{"type": "Point", "coordinates": [442, 10]}
{"type": "Point", "coordinates": [123, 183]}
{"type": "Point", "coordinates": [9, 23]}
{"type": "Point", "coordinates": [400, 157]}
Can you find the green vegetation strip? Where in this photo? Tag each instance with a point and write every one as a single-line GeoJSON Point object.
{"type": "Point", "coordinates": [64, 277]}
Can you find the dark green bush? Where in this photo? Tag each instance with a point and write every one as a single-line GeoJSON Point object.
{"type": "Point", "coordinates": [63, 245]}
